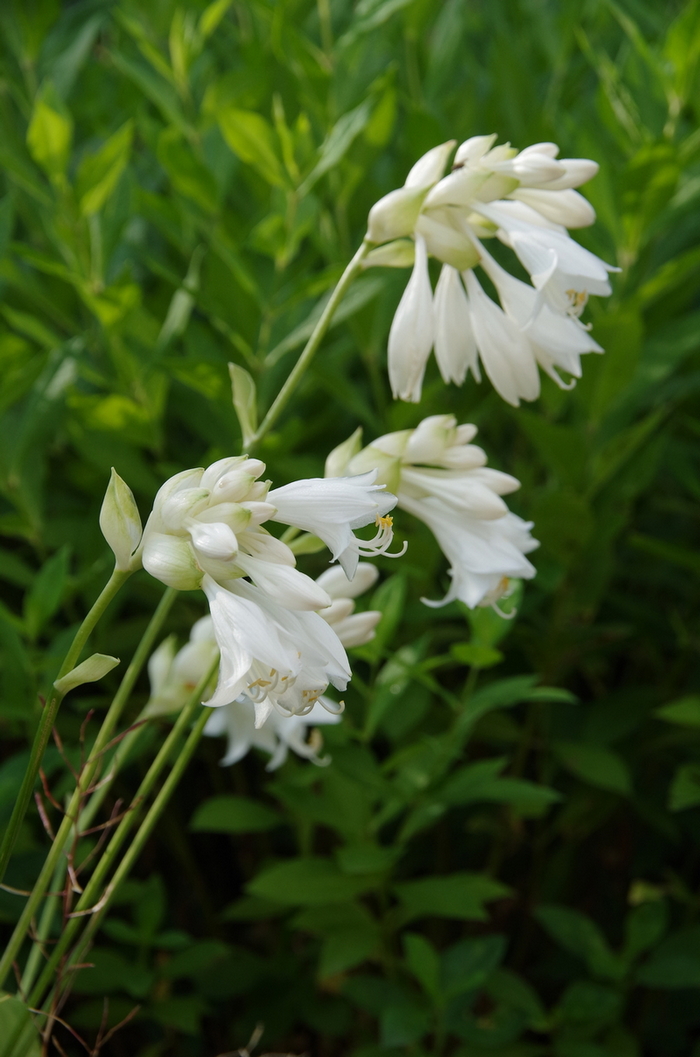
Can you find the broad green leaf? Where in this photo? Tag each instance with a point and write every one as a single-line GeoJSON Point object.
{"type": "Point", "coordinates": [644, 926]}
{"type": "Point", "coordinates": [587, 1002]}
{"type": "Point", "coordinates": [424, 962]}
{"type": "Point", "coordinates": [17, 1026]}
{"type": "Point", "coordinates": [46, 593]}
{"type": "Point", "coordinates": [234, 814]}
{"type": "Point", "coordinates": [582, 937]}
{"type": "Point", "coordinates": [99, 172]}
{"type": "Point", "coordinates": [685, 788]}
{"type": "Point", "coordinates": [475, 655]}
{"type": "Point", "coordinates": [469, 963]}
{"type": "Point", "coordinates": [50, 133]}
{"type": "Point", "coordinates": [458, 895]}
{"type": "Point", "coordinates": [685, 711]}
{"type": "Point", "coordinates": [675, 963]}
{"type": "Point", "coordinates": [307, 881]}
{"type": "Point", "coordinates": [251, 137]}
{"type": "Point", "coordinates": [596, 765]}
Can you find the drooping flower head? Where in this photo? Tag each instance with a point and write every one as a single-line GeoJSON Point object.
{"type": "Point", "coordinates": [206, 531]}
{"type": "Point", "coordinates": [442, 479]}
{"type": "Point", "coordinates": [248, 719]}
{"type": "Point", "coordinates": [525, 199]}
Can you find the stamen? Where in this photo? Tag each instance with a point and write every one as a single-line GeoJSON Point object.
{"type": "Point", "coordinates": [577, 301]}
{"type": "Point", "coordinates": [382, 540]}
{"type": "Point", "coordinates": [336, 708]}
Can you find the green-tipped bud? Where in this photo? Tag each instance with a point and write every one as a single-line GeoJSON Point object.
{"type": "Point", "coordinates": [398, 254]}
{"type": "Point", "coordinates": [395, 215]}
{"type": "Point", "coordinates": [89, 671]}
{"type": "Point", "coordinates": [120, 523]}
{"type": "Point", "coordinates": [171, 560]}
{"type": "Point", "coordinates": [339, 459]}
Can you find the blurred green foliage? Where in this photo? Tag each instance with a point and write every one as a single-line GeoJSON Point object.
{"type": "Point", "coordinates": [489, 866]}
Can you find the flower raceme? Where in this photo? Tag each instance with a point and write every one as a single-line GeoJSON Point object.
{"type": "Point", "coordinates": [442, 479]}
{"type": "Point", "coordinates": [525, 199]}
{"type": "Point", "coordinates": [174, 675]}
{"type": "Point", "coordinates": [206, 531]}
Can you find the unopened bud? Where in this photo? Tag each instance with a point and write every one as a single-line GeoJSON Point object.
{"type": "Point", "coordinates": [338, 460]}
{"type": "Point", "coordinates": [89, 671]}
{"type": "Point", "coordinates": [120, 522]}
{"type": "Point", "coordinates": [395, 215]}
{"type": "Point", "coordinates": [171, 560]}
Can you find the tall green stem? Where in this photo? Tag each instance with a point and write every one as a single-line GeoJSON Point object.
{"type": "Point", "coordinates": [48, 716]}
{"type": "Point", "coordinates": [94, 885]}
{"type": "Point", "coordinates": [309, 351]}
{"type": "Point", "coordinates": [88, 772]}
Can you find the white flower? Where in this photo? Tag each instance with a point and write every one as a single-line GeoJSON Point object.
{"type": "Point", "coordinates": [174, 675]}
{"type": "Point", "coordinates": [442, 479]}
{"type": "Point", "coordinates": [527, 200]}
{"type": "Point", "coordinates": [353, 629]}
{"type": "Point", "coordinates": [331, 508]}
{"type": "Point", "coordinates": [277, 735]}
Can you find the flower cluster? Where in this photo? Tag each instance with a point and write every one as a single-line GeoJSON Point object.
{"type": "Point", "coordinates": [525, 199]}
{"type": "Point", "coordinates": [206, 530]}
{"type": "Point", "coordinates": [442, 479]}
{"type": "Point", "coordinates": [174, 675]}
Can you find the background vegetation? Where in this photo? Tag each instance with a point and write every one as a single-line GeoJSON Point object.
{"type": "Point", "coordinates": [488, 867]}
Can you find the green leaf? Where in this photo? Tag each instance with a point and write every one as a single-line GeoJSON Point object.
{"type": "Point", "coordinates": [309, 881]}
{"type": "Point", "coordinates": [644, 926]}
{"type": "Point", "coordinates": [16, 1024]}
{"type": "Point", "coordinates": [480, 782]}
{"type": "Point", "coordinates": [476, 656]}
{"type": "Point", "coordinates": [469, 963]}
{"type": "Point", "coordinates": [89, 671]}
{"type": "Point", "coordinates": [685, 711]}
{"type": "Point", "coordinates": [338, 142]}
{"type": "Point", "coordinates": [251, 137]}
{"type": "Point", "coordinates": [46, 593]}
{"type": "Point", "coordinates": [244, 401]}
{"type": "Point", "coordinates": [579, 935]}
{"type": "Point", "coordinates": [424, 962]}
{"type": "Point", "coordinates": [50, 133]}
{"type": "Point", "coordinates": [234, 814]}
{"type": "Point", "coordinates": [187, 174]}
{"type": "Point", "coordinates": [586, 1002]}
{"type": "Point", "coordinates": [685, 787]}
{"type": "Point", "coordinates": [458, 895]}
{"type": "Point", "coordinates": [99, 173]}
{"type": "Point", "coordinates": [596, 765]}
{"type": "Point", "coordinates": [675, 963]}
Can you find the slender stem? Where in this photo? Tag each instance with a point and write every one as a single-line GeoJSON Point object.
{"type": "Point", "coordinates": [48, 717]}
{"type": "Point", "coordinates": [89, 896]}
{"type": "Point", "coordinates": [104, 734]}
{"type": "Point", "coordinates": [309, 351]}
{"type": "Point", "coordinates": [51, 905]}
{"type": "Point", "coordinates": [145, 830]}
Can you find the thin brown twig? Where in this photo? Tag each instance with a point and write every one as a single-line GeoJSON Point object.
{"type": "Point", "coordinates": [47, 792]}
{"type": "Point", "coordinates": [117, 1027]}
{"type": "Point", "coordinates": [43, 816]}
{"type": "Point", "coordinates": [59, 746]}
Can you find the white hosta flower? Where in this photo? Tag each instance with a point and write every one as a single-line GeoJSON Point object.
{"type": "Point", "coordinates": [527, 200]}
{"type": "Point", "coordinates": [442, 479]}
{"type": "Point", "coordinates": [276, 736]}
{"type": "Point", "coordinates": [331, 508]}
{"type": "Point", "coordinates": [174, 675]}
{"type": "Point", "coordinates": [353, 629]}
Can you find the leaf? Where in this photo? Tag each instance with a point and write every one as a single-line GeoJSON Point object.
{"type": "Point", "coordinates": [675, 963]}
{"type": "Point", "coordinates": [644, 926]}
{"type": "Point", "coordinates": [45, 595]}
{"type": "Point", "coordinates": [578, 934]}
{"type": "Point", "coordinates": [99, 173]}
{"type": "Point", "coordinates": [685, 711]}
{"type": "Point", "coordinates": [475, 655]}
{"type": "Point", "coordinates": [234, 814]}
{"type": "Point", "coordinates": [307, 881]}
{"type": "Point", "coordinates": [89, 671]}
{"type": "Point", "coordinates": [251, 137]}
{"type": "Point", "coordinates": [50, 133]}
{"type": "Point", "coordinates": [337, 143]}
{"type": "Point", "coordinates": [469, 963]}
{"type": "Point", "coordinates": [244, 401]}
{"type": "Point", "coordinates": [596, 765]}
{"type": "Point", "coordinates": [685, 788]}
{"type": "Point", "coordinates": [587, 1002]}
{"type": "Point", "coordinates": [16, 1025]}
{"type": "Point", "coordinates": [187, 174]}
{"type": "Point", "coordinates": [458, 895]}
{"type": "Point", "coordinates": [423, 961]}
{"type": "Point", "coordinates": [480, 782]}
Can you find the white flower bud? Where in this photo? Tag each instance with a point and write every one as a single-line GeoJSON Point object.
{"type": "Point", "coordinates": [339, 459]}
{"type": "Point", "coordinates": [394, 216]}
{"type": "Point", "coordinates": [171, 560]}
{"type": "Point", "coordinates": [120, 522]}
{"type": "Point", "coordinates": [401, 253]}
